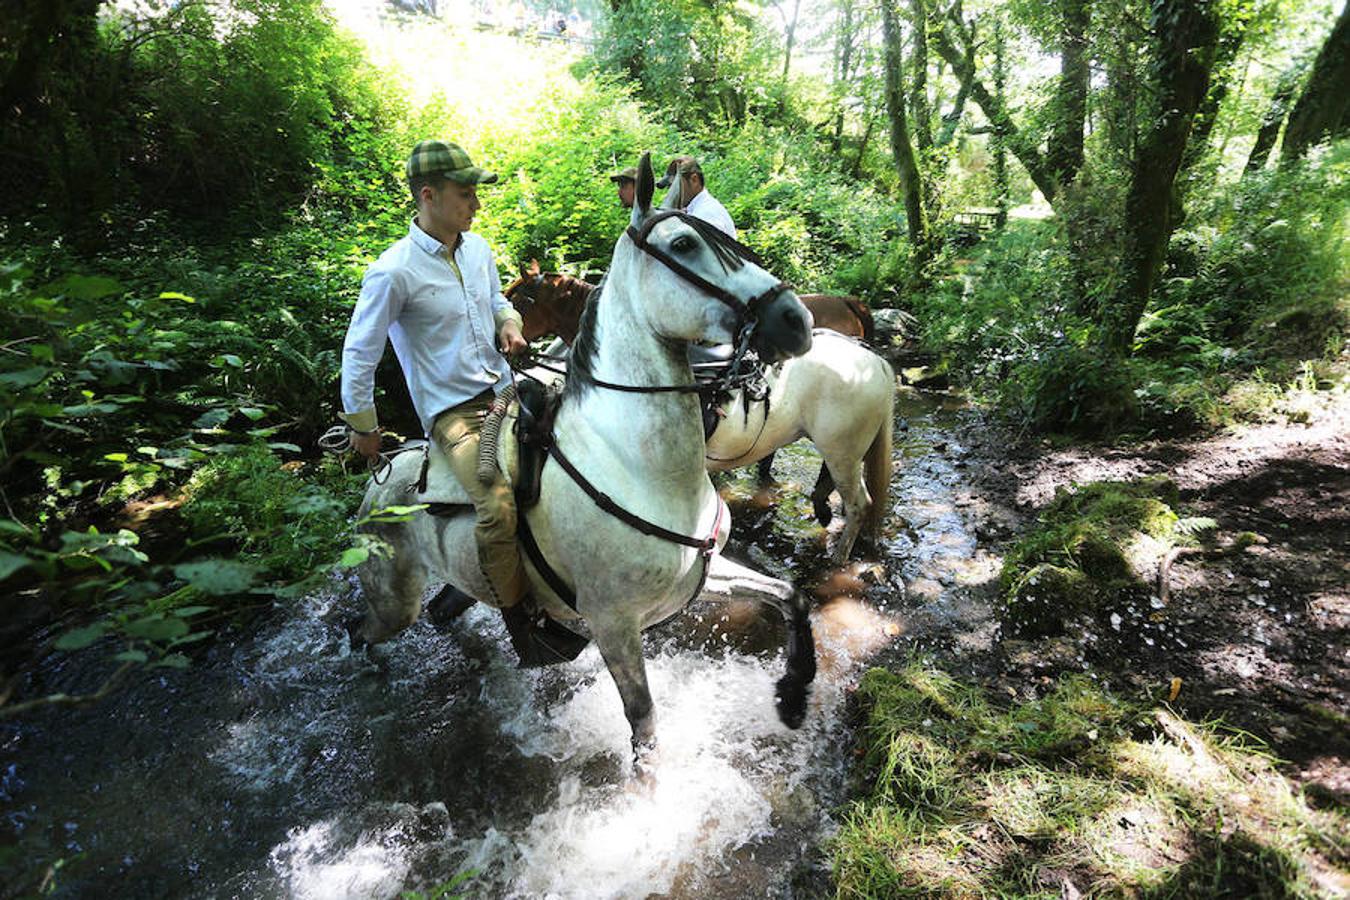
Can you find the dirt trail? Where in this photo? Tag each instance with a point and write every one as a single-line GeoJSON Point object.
{"type": "Point", "coordinates": [1257, 637]}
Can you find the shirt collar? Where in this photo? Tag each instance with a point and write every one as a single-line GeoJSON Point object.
{"type": "Point", "coordinates": [429, 243]}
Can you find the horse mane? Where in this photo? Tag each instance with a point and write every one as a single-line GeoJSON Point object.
{"type": "Point", "coordinates": [586, 347]}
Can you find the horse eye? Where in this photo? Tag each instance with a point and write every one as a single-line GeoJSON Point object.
{"type": "Point", "coordinates": [683, 244]}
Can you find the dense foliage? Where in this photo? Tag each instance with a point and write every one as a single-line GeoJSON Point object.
{"type": "Point", "coordinates": [191, 192]}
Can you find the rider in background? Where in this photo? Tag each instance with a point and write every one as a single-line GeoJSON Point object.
{"type": "Point", "coordinates": [695, 198]}
{"type": "Point", "coordinates": [436, 295]}
{"type": "Point", "coordinates": [626, 182]}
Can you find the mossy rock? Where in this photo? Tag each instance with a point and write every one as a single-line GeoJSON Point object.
{"type": "Point", "coordinates": [1045, 596]}
{"type": "Point", "coordinates": [1095, 544]}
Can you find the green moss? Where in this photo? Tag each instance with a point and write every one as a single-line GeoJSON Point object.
{"type": "Point", "coordinates": [962, 798]}
{"type": "Point", "coordinates": [1079, 558]}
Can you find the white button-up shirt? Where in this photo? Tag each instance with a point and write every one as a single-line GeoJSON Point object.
{"type": "Point", "coordinates": [710, 209]}
{"type": "Point", "coordinates": [442, 322]}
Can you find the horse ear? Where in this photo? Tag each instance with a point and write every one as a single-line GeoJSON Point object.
{"type": "Point", "coordinates": [646, 186]}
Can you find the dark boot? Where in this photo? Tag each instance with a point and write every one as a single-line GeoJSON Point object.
{"type": "Point", "coordinates": [518, 628]}
{"type": "Point", "coordinates": [538, 640]}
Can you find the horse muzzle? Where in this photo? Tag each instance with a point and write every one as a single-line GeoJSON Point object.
{"type": "Point", "coordinates": [784, 328]}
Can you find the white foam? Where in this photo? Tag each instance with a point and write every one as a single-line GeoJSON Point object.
{"type": "Point", "coordinates": [316, 866]}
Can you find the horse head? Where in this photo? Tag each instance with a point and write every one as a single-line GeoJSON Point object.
{"type": "Point", "coordinates": [695, 283]}
{"type": "Point", "coordinates": [548, 303]}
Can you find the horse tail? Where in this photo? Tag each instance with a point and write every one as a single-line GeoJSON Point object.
{"type": "Point", "coordinates": [864, 314]}
{"type": "Point", "coordinates": [877, 463]}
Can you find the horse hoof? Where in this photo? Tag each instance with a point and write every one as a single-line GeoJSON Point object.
{"type": "Point", "coordinates": [824, 515]}
{"type": "Point", "coordinates": [645, 758]}
{"type": "Point", "coordinates": [790, 696]}
{"type": "Point", "coordinates": [447, 606]}
{"type": "Point", "coordinates": [353, 626]}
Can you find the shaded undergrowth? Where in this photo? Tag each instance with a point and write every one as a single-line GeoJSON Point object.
{"type": "Point", "coordinates": [1076, 793]}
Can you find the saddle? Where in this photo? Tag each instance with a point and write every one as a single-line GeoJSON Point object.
{"type": "Point", "coordinates": [539, 640]}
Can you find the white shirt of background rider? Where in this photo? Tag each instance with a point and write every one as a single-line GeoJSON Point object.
{"type": "Point", "coordinates": [708, 208]}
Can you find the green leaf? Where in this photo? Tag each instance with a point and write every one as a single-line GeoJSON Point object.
{"type": "Point", "coordinates": [24, 377]}
{"type": "Point", "coordinates": [156, 628]}
{"type": "Point", "coordinates": [87, 287]}
{"type": "Point", "coordinates": [131, 656]}
{"type": "Point", "coordinates": [80, 638]}
{"type": "Point", "coordinates": [187, 612]}
{"type": "Point", "coordinates": [10, 526]}
{"type": "Point", "coordinates": [174, 295]}
{"type": "Point", "coordinates": [11, 563]}
{"type": "Point", "coordinates": [354, 556]}
{"type": "Point", "coordinates": [218, 577]}
{"type": "Point", "coordinates": [174, 661]}
{"type": "Point", "coordinates": [251, 412]}
{"type": "Point", "coordinates": [282, 445]}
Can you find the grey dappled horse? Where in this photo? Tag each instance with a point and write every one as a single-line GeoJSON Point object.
{"type": "Point", "coordinates": [839, 394]}
{"type": "Point", "coordinates": [670, 283]}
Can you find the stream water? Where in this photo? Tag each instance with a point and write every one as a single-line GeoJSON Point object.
{"type": "Point", "coordinates": [284, 765]}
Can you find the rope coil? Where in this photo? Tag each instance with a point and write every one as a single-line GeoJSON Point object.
{"type": "Point", "coordinates": [338, 441]}
{"type": "Point", "coordinates": [491, 433]}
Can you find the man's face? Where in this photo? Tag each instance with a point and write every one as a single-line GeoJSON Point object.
{"type": "Point", "coordinates": [454, 205]}
{"type": "Point", "coordinates": [690, 184]}
{"type": "Point", "coordinates": [627, 192]}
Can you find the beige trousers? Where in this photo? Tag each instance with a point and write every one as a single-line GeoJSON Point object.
{"type": "Point", "coordinates": [456, 432]}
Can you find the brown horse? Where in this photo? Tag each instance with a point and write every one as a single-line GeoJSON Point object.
{"type": "Point", "coordinates": [850, 377]}
{"type": "Point", "coordinates": [552, 303]}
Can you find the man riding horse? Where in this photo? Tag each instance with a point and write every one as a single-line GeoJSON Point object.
{"type": "Point", "coordinates": [436, 296]}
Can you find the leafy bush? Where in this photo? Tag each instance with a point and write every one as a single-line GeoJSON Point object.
{"type": "Point", "coordinates": [290, 526]}
{"type": "Point", "coordinates": [211, 109]}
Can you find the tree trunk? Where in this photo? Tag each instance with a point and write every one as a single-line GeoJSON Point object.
{"type": "Point", "coordinates": [1000, 145]}
{"type": "Point", "coordinates": [1323, 110]}
{"type": "Point", "coordinates": [1022, 146]}
{"type": "Point", "coordinates": [901, 148]}
{"type": "Point", "coordinates": [918, 87]}
{"type": "Point", "coordinates": [843, 70]}
{"type": "Point", "coordinates": [1184, 34]}
{"type": "Point", "coordinates": [1226, 51]}
{"type": "Point", "coordinates": [1273, 120]}
{"type": "Point", "coordinates": [789, 39]}
{"type": "Point", "coordinates": [27, 40]}
{"type": "Point", "coordinates": [1064, 149]}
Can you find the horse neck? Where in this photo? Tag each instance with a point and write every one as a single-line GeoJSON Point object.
{"type": "Point", "coordinates": [658, 431]}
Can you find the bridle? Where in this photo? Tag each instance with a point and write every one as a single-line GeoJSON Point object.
{"type": "Point", "coordinates": [731, 254]}
{"type": "Point", "coordinates": [729, 251]}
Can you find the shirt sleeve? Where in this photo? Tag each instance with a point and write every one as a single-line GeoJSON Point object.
{"type": "Point", "coordinates": [376, 309]}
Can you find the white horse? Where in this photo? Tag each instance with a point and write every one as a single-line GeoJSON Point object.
{"type": "Point", "coordinates": [670, 283]}
{"type": "Point", "coordinates": [839, 394]}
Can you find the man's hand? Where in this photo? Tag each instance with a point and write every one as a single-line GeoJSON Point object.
{"type": "Point", "coordinates": [367, 444]}
{"type": "Point", "coordinates": [512, 342]}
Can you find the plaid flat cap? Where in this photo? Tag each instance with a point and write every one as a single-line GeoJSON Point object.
{"type": "Point", "coordinates": [447, 160]}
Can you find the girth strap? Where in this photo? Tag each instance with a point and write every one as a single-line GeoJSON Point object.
{"type": "Point", "coordinates": [706, 546]}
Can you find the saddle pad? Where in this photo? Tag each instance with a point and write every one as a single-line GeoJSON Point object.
{"type": "Point", "coordinates": [442, 485]}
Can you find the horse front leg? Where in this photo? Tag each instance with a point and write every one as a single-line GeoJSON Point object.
{"type": "Point", "coordinates": [765, 469]}
{"type": "Point", "coordinates": [621, 648]}
{"type": "Point", "coordinates": [820, 496]}
{"type": "Point", "coordinates": [393, 587]}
